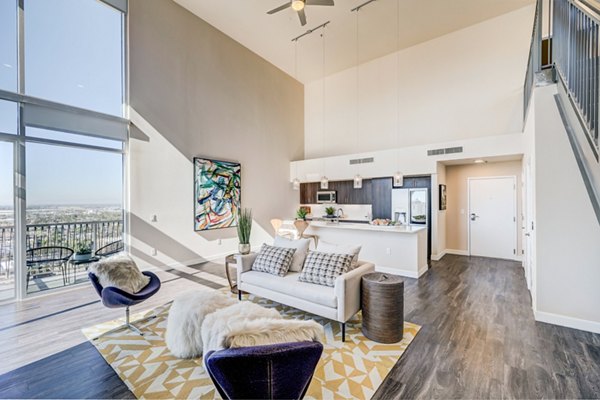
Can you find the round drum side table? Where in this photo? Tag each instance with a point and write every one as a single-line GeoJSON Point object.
{"type": "Point", "coordinates": [382, 303]}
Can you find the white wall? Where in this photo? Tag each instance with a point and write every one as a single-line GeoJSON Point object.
{"type": "Point", "coordinates": [463, 85]}
{"type": "Point", "coordinates": [567, 232]}
{"type": "Point", "coordinates": [197, 92]}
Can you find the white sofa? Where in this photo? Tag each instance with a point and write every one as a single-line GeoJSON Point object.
{"type": "Point", "coordinates": [338, 303]}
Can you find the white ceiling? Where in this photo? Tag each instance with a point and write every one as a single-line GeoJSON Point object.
{"type": "Point", "coordinates": [247, 22]}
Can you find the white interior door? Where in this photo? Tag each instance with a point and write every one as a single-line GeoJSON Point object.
{"type": "Point", "coordinates": [529, 260]}
{"type": "Point", "coordinates": [492, 217]}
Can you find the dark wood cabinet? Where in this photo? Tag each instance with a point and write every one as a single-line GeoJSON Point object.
{"type": "Point", "coordinates": [381, 197]}
{"type": "Point", "coordinates": [377, 192]}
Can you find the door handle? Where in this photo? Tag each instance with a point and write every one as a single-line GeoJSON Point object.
{"type": "Point", "coordinates": [474, 216]}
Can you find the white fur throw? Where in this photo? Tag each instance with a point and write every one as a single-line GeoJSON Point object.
{"type": "Point", "coordinates": [121, 272]}
{"type": "Point", "coordinates": [186, 316]}
{"type": "Point", "coordinates": [248, 324]}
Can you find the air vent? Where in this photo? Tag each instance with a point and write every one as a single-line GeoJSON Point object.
{"type": "Point", "coordinates": [452, 150]}
{"type": "Point", "coordinates": [448, 150]}
{"type": "Point", "coordinates": [435, 152]}
{"type": "Point", "coordinates": [367, 160]}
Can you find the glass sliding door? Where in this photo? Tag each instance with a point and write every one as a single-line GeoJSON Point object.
{"type": "Point", "coordinates": [73, 210]}
{"type": "Point", "coordinates": [7, 222]}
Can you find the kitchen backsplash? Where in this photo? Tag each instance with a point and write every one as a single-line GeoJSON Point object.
{"type": "Point", "coordinates": [353, 212]}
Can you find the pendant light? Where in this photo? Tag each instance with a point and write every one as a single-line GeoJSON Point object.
{"type": "Point", "coordinates": [398, 176]}
{"type": "Point", "coordinates": [357, 177]}
{"type": "Point", "coordinates": [324, 179]}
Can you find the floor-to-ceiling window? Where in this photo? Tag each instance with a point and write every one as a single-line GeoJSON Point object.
{"type": "Point", "coordinates": [62, 140]}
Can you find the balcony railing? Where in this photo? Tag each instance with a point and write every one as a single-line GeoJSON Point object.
{"type": "Point", "coordinates": [69, 234]}
{"type": "Point", "coordinates": [534, 61]}
{"type": "Point", "coordinates": [576, 41]}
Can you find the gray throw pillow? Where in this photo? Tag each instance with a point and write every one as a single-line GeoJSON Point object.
{"type": "Point", "coordinates": [273, 260]}
{"type": "Point", "coordinates": [120, 271]}
{"type": "Point", "coordinates": [324, 268]}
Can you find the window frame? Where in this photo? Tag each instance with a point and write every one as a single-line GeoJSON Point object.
{"type": "Point", "coordinates": [73, 116]}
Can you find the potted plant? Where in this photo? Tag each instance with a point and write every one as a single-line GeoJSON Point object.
{"type": "Point", "coordinates": [330, 211]}
{"type": "Point", "coordinates": [302, 213]}
{"type": "Point", "coordinates": [244, 226]}
{"type": "Point", "coordinates": [83, 251]}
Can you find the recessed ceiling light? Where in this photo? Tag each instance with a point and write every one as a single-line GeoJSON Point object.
{"type": "Point", "coordinates": [480, 161]}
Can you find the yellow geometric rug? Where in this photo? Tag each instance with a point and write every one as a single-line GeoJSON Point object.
{"type": "Point", "coordinates": [351, 369]}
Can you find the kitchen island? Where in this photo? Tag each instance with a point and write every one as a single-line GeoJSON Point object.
{"type": "Point", "coordinates": [400, 250]}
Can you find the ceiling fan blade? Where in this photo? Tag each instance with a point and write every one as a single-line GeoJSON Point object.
{"type": "Point", "coordinates": [320, 3]}
{"type": "Point", "coordinates": [302, 17]}
{"type": "Point", "coordinates": [280, 8]}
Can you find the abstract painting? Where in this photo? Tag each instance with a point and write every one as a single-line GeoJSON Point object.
{"type": "Point", "coordinates": [217, 194]}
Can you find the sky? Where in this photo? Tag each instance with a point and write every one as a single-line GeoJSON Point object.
{"type": "Point", "coordinates": [73, 53]}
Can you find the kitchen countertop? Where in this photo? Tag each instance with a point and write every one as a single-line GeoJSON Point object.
{"type": "Point", "coordinates": [368, 227]}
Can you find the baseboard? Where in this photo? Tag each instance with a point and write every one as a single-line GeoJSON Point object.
{"type": "Point", "coordinates": [569, 322]}
{"type": "Point", "coordinates": [457, 252]}
{"type": "Point", "coordinates": [401, 272]}
{"type": "Point", "coordinates": [438, 257]}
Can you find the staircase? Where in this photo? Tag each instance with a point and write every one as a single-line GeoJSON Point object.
{"type": "Point", "coordinates": [574, 32]}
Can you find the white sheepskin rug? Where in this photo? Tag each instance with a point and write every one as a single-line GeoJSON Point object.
{"type": "Point", "coordinates": [248, 324]}
{"type": "Point", "coordinates": [188, 312]}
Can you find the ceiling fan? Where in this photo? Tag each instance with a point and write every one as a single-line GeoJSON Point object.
{"type": "Point", "coordinates": [298, 6]}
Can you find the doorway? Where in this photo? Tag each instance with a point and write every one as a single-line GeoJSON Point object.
{"type": "Point", "coordinates": [492, 217]}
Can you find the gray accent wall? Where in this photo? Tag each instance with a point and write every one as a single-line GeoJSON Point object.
{"type": "Point", "coordinates": [196, 92]}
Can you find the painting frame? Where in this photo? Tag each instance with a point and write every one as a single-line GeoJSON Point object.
{"type": "Point", "coordinates": [217, 193]}
{"type": "Point", "coordinates": [443, 198]}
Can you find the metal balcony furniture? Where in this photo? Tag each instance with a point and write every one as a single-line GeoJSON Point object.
{"type": "Point", "coordinates": [75, 264]}
{"type": "Point", "coordinates": [278, 371]}
{"type": "Point", "coordinates": [113, 297]}
{"type": "Point", "coordinates": [110, 249]}
{"type": "Point", "coordinates": [48, 256]}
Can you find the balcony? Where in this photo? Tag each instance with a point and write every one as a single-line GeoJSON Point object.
{"type": "Point", "coordinates": [46, 275]}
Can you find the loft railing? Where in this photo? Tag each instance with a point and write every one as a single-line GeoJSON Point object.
{"type": "Point", "coordinates": [70, 234]}
{"type": "Point", "coordinates": [576, 41]}
{"type": "Point", "coordinates": [534, 61]}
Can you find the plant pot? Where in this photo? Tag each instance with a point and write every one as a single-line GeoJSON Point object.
{"type": "Point", "coordinates": [82, 256]}
{"type": "Point", "coordinates": [244, 248]}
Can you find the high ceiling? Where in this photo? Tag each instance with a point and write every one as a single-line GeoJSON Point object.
{"type": "Point", "coordinates": [247, 22]}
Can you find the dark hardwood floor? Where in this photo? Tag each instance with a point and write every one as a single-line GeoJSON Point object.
{"type": "Point", "coordinates": [478, 340]}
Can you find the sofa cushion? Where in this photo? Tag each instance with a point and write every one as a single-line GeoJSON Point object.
{"type": "Point", "coordinates": [324, 268]}
{"type": "Point", "coordinates": [273, 260]}
{"type": "Point", "coordinates": [325, 247]}
{"type": "Point", "coordinates": [291, 286]}
{"type": "Point", "coordinates": [301, 246]}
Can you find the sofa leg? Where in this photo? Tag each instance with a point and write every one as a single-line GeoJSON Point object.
{"type": "Point", "coordinates": [343, 331]}
{"type": "Point", "coordinates": [239, 295]}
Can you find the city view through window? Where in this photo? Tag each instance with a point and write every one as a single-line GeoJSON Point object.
{"type": "Point", "coordinates": [74, 210]}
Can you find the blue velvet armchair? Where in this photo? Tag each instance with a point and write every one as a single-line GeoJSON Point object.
{"type": "Point", "coordinates": [278, 371]}
{"type": "Point", "coordinates": [113, 297]}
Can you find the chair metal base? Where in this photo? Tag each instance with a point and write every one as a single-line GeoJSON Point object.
{"type": "Point", "coordinates": [128, 324]}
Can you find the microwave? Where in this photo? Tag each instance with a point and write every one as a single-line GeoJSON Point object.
{"type": "Point", "coordinates": [326, 197]}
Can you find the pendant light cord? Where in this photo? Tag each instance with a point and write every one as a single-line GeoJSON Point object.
{"type": "Point", "coordinates": [398, 84]}
{"type": "Point", "coordinates": [356, 142]}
